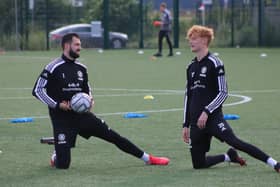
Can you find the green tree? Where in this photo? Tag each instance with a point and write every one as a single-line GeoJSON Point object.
{"type": "Point", "coordinates": [123, 14]}
{"type": "Point", "coordinates": [7, 13]}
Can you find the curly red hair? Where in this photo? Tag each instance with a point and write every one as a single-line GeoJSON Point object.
{"type": "Point", "coordinates": [201, 31]}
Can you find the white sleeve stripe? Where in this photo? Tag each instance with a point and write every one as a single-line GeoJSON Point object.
{"type": "Point", "coordinates": [222, 89]}
{"type": "Point", "coordinates": [222, 83]}
{"type": "Point", "coordinates": [54, 64]}
{"type": "Point", "coordinates": [185, 108]}
{"type": "Point", "coordinates": [185, 105]}
{"type": "Point", "coordinates": [77, 62]}
{"type": "Point", "coordinates": [220, 98]}
{"type": "Point", "coordinates": [218, 101]}
{"type": "Point", "coordinates": [217, 62]}
{"type": "Point", "coordinates": [90, 90]}
{"type": "Point", "coordinates": [41, 93]}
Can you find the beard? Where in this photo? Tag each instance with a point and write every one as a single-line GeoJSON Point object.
{"type": "Point", "coordinates": [73, 54]}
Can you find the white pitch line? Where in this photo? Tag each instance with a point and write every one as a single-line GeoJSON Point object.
{"type": "Point", "coordinates": [15, 98]}
{"type": "Point", "coordinates": [112, 89]}
{"type": "Point", "coordinates": [29, 57]}
{"type": "Point", "coordinates": [142, 111]}
{"type": "Point", "coordinates": [112, 95]}
{"type": "Point", "coordinates": [97, 95]}
{"type": "Point", "coordinates": [15, 88]}
{"type": "Point", "coordinates": [114, 113]}
{"type": "Point", "coordinates": [245, 99]}
{"type": "Point", "coordinates": [139, 94]}
{"type": "Point", "coordinates": [34, 57]}
{"type": "Point", "coordinates": [158, 90]}
{"type": "Point", "coordinates": [257, 91]}
{"type": "Point", "coordinates": [137, 90]}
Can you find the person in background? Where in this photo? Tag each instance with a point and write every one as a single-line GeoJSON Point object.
{"type": "Point", "coordinates": [165, 30]}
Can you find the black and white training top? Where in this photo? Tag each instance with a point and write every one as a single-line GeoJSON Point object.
{"type": "Point", "coordinates": [206, 89]}
{"type": "Point", "coordinates": [59, 81]}
{"type": "Point", "coordinates": [166, 20]}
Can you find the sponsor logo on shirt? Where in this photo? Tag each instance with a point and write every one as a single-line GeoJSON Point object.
{"type": "Point", "coordinates": [72, 87]}
{"type": "Point", "coordinates": [197, 84]}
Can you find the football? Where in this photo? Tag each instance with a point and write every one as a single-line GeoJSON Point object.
{"type": "Point", "coordinates": [157, 23]}
{"type": "Point", "coordinates": [81, 102]}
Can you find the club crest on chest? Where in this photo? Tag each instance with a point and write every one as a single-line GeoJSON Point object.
{"type": "Point", "coordinates": [80, 75]}
{"type": "Point", "coordinates": [203, 71]}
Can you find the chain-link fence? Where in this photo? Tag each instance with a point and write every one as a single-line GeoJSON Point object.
{"type": "Point", "coordinates": [26, 24]}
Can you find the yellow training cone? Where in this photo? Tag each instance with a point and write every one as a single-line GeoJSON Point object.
{"type": "Point", "coordinates": [149, 97]}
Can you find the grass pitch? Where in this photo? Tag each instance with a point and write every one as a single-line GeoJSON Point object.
{"type": "Point", "coordinates": [120, 80]}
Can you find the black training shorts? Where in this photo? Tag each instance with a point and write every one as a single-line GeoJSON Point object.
{"type": "Point", "coordinates": [66, 129]}
{"type": "Point", "coordinates": [200, 139]}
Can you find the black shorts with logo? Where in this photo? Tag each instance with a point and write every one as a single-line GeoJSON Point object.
{"type": "Point", "coordinates": [86, 125]}
{"type": "Point", "coordinates": [200, 139]}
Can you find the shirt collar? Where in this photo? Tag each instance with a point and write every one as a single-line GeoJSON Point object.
{"type": "Point", "coordinates": [205, 57]}
{"type": "Point", "coordinates": [67, 59]}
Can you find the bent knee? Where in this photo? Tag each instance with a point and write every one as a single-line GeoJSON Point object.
{"type": "Point", "coordinates": [64, 165]}
{"type": "Point", "coordinates": [198, 167]}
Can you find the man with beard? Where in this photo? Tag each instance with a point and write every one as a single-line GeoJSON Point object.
{"type": "Point", "coordinates": [59, 81]}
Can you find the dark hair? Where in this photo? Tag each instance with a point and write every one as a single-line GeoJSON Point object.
{"type": "Point", "coordinates": [67, 38]}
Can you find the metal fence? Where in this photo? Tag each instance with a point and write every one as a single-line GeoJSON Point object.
{"type": "Point", "coordinates": [25, 24]}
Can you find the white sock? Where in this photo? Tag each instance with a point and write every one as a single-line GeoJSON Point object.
{"type": "Point", "coordinates": [227, 159]}
{"type": "Point", "coordinates": [270, 161]}
{"type": "Point", "coordinates": [145, 157]}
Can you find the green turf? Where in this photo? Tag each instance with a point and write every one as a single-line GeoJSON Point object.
{"type": "Point", "coordinates": [24, 161]}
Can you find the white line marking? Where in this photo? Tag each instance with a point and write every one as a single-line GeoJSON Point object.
{"type": "Point", "coordinates": [142, 111]}
{"type": "Point", "coordinates": [114, 113]}
{"type": "Point", "coordinates": [245, 99]}
{"type": "Point", "coordinates": [155, 90]}
{"type": "Point", "coordinates": [123, 95]}
{"type": "Point", "coordinates": [15, 88]}
{"type": "Point", "coordinates": [15, 98]}
{"type": "Point", "coordinates": [137, 90]}
{"type": "Point", "coordinates": [97, 95]}
{"type": "Point", "coordinates": [29, 57]}
{"type": "Point", "coordinates": [257, 91]}
{"type": "Point", "coordinates": [112, 89]}
{"type": "Point", "coordinates": [34, 57]}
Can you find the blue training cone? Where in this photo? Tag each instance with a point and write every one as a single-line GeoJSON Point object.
{"type": "Point", "coordinates": [21, 120]}
{"type": "Point", "coordinates": [134, 115]}
{"type": "Point", "coordinates": [231, 117]}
